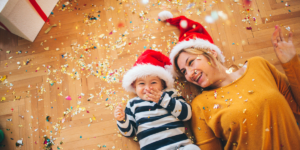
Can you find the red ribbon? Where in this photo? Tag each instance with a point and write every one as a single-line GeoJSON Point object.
{"type": "Point", "coordinates": [1, 24]}
{"type": "Point", "coordinates": [39, 10]}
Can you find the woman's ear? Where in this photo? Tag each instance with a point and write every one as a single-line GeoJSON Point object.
{"type": "Point", "coordinates": [214, 53]}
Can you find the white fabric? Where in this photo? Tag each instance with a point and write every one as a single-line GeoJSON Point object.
{"type": "Point", "coordinates": [164, 15]}
{"type": "Point", "coordinates": [144, 70]}
{"type": "Point", "coordinates": [190, 147]}
{"type": "Point", "coordinates": [162, 135]}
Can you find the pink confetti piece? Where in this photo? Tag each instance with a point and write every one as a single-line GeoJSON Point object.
{"type": "Point", "coordinates": [68, 98]}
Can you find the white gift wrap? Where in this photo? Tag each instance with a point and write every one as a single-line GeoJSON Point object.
{"type": "Point", "coordinates": [21, 18]}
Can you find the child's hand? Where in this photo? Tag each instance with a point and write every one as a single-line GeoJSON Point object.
{"type": "Point", "coordinates": [119, 113]}
{"type": "Point", "coordinates": [154, 95]}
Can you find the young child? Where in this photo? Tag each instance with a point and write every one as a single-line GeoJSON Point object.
{"type": "Point", "coordinates": [156, 116]}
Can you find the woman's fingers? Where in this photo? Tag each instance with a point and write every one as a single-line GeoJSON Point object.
{"type": "Point", "coordinates": [275, 37]}
{"type": "Point", "coordinates": [290, 37]}
{"type": "Point", "coordinates": [281, 35]}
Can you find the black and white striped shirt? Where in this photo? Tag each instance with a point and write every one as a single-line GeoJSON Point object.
{"type": "Point", "coordinates": [157, 125]}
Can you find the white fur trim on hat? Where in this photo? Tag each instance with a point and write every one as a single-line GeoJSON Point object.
{"type": "Point", "coordinates": [196, 43]}
{"type": "Point", "coordinates": [164, 15]}
{"type": "Point", "coordinates": [143, 70]}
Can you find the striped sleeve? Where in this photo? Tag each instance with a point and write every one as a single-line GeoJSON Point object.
{"type": "Point", "coordinates": [176, 105]}
{"type": "Point", "coordinates": [128, 126]}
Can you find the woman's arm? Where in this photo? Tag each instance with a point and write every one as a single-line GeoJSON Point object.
{"type": "Point", "coordinates": [286, 53]}
{"type": "Point", "coordinates": [204, 136]}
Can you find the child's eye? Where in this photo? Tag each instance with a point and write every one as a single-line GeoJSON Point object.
{"type": "Point", "coordinates": [141, 83]}
{"type": "Point", "coordinates": [153, 82]}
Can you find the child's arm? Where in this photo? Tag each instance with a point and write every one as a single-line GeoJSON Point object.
{"type": "Point", "coordinates": [125, 121]}
{"type": "Point", "coordinates": [176, 105]}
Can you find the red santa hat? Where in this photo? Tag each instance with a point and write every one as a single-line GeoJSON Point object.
{"type": "Point", "coordinates": [192, 34]}
{"type": "Point", "coordinates": [152, 63]}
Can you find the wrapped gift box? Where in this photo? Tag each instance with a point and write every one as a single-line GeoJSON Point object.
{"type": "Point", "coordinates": [25, 18]}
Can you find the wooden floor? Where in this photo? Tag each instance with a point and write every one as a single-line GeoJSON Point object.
{"type": "Point", "coordinates": [92, 77]}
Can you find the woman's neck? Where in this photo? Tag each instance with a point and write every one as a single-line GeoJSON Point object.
{"type": "Point", "coordinates": [224, 78]}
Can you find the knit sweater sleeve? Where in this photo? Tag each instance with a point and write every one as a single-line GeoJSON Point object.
{"type": "Point", "coordinates": [206, 139]}
{"type": "Point", "coordinates": [127, 127]}
{"type": "Point", "coordinates": [177, 106]}
{"type": "Point", "coordinates": [289, 84]}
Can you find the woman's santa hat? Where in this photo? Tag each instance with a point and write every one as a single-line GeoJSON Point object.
{"type": "Point", "coordinates": [152, 63]}
{"type": "Point", "coordinates": [192, 34]}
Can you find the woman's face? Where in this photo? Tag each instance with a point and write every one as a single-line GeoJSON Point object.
{"type": "Point", "coordinates": [197, 69]}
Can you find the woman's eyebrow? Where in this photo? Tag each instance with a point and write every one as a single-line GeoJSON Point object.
{"type": "Point", "coordinates": [187, 60]}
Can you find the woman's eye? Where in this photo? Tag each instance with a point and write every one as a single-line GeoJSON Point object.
{"type": "Point", "coordinates": [191, 62]}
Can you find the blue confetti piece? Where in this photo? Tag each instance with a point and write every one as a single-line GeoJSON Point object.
{"type": "Point", "coordinates": [80, 136]}
{"type": "Point", "coordinates": [26, 70]}
{"type": "Point", "coordinates": [159, 19]}
{"type": "Point", "coordinates": [52, 13]}
{"type": "Point", "coordinates": [232, 43]}
{"type": "Point", "coordinates": [204, 108]}
{"type": "Point", "coordinates": [71, 107]}
{"type": "Point", "coordinates": [145, 47]}
{"type": "Point", "coordinates": [106, 99]}
{"type": "Point", "coordinates": [51, 107]}
{"type": "Point", "coordinates": [130, 21]}
{"type": "Point", "coordinates": [290, 11]}
{"type": "Point", "coordinates": [98, 15]}
{"type": "Point", "coordinates": [52, 84]}
{"type": "Point", "coordinates": [95, 47]}
{"type": "Point", "coordinates": [62, 56]}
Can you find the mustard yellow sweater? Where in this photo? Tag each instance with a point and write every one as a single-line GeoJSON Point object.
{"type": "Point", "coordinates": [255, 112]}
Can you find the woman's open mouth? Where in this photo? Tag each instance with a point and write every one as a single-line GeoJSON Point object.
{"type": "Point", "coordinates": [198, 77]}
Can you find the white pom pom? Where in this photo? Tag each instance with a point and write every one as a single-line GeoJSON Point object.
{"type": "Point", "coordinates": [164, 15]}
{"type": "Point", "coordinates": [183, 24]}
{"type": "Point", "coordinates": [145, 1]}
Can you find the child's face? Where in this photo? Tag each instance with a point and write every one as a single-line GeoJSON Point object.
{"type": "Point", "coordinates": [141, 85]}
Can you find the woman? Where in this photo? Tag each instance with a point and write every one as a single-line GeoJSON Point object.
{"type": "Point", "coordinates": [252, 108]}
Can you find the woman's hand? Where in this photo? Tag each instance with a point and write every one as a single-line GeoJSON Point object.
{"type": "Point", "coordinates": [119, 113]}
{"type": "Point", "coordinates": [153, 95]}
{"type": "Point", "coordinates": [285, 51]}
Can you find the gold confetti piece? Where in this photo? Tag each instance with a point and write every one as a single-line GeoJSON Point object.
{"type": "Point", "coordinates": [50, 28]}
{"type": "Point", "coordinates": [3, 99]}
{"type": "Point", "coordinates": [2, 78]}
{"type": "Point", "coordinates": [94, 118]}
{"type": "Point", "coordinates": [46, 48]}
{"type": "Point", "coordinates": [7, 52]}
{"type": "Point", "coordinates": [209, 63]}
{"type": "Point", "coordinates": [251, 92]}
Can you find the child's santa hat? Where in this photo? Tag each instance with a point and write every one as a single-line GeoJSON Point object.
{"type": "Point", "coordinates": [192, 34]}
{"type": "Point", "coordinates": [152, 63]}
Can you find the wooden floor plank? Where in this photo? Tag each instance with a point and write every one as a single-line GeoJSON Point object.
{"type": "Point", "coordinates": [72, 67]}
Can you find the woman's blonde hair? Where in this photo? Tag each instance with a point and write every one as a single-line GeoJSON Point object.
{"type": "Point", "coordinates": [213, 60]}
